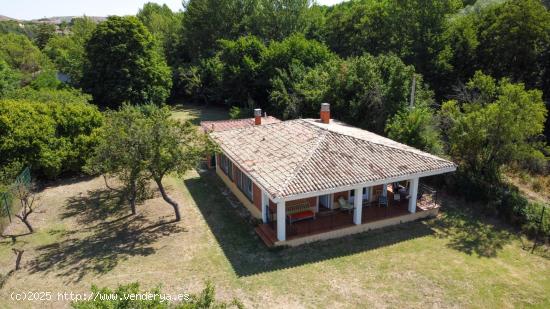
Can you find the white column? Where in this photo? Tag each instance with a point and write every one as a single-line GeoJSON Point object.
{"type": "Point", "coordinates": [281, 221]}
{"type": "Point", "coordinates": [413, 193]}
{"type": "Point", "coordinates": [265, 206]}
{"type": "Point", "coordinates": [385, 189]}
{"type": "Point", "coordinates": [358, 204]}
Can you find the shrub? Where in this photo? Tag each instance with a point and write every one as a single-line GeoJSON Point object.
{"type": "Point", "coordinates": [121, 299]}
{"type": "Point", "coordinates": [52, 137]}
{"type": "Point", "coordinates": [532, 214]}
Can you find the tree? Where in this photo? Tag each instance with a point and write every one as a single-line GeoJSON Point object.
{"type": "Point", "coordinates": [170, 147]}
{"type": "Point", "coordinates": [207, 21]}
{"type": "Point", "coordinates": [491, 124]}
{"type": "Point", "coordinates": [509, 39]}
{"type": "Point", "coordinates": [67, 52]}
{"type": "Point", "coordinates": [241, 60]}
{"type": "Point", "coordinates": [165, 26]}
{"type": "Point", "coordinates": [44, 32]}
{"type": "Point", "coordinates": [53, 137]}
{"type": "Point", "coordinates": [409, 29]}
{"type": "Point", "coordinates": [24, 57]}
{"type": "Point", "coordinates": [274, 20]}
{"type": "Point", "coordinates": [416, 127]}
{"type": "Point", "coordinates": [119, 152]}
{"type": "Point", "coordinates": [26, 196]}
{"type": "Point", "coordinates": [124, 65]}
{"type": "Point", "coordinates": [9, 79]}
{"type": "Point", "coordinates": [363, 91]}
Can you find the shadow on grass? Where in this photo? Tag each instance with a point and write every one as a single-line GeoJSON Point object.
{"type": "Point", "coordinates": [469, 232]}
{"type": "Point", "coordinates": [97, 205]}
{"type": "Point", "coordinates": [99, 247]}
{"type": "Point", "coordinates": [249, 256]}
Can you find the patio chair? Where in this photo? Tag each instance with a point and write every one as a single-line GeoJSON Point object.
{"type": "Point", "coordinates": [344, 205]}
{"type": "Point", "coordinates": [396, 197]}
{"type": "Point", "coordinates": [382, 201]}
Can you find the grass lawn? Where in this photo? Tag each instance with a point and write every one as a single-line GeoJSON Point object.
{"type": "Point", "coordinates": [452, 261]}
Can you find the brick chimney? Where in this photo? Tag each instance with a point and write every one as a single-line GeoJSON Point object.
{"type": "Point", "coordinates": [325, 113]}
{"type": "Point", "coordinates": [257, 116]}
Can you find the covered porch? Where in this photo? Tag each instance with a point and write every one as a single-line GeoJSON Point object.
{"type": "Point", "coordinates": [380, 206]}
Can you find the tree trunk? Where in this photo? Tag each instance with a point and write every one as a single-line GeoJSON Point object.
{"type": "Point", "coordinates": [168, 199]}
{"type": "Point", "coordinates": [19, 254]}
{"type": "Point", "coordinates": [132, 198]}
{"type": "Point", "coordinates": [26, 222]}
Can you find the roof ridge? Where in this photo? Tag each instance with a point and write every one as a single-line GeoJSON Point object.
{"type": "Point", "coordinates": [412, 150]}
{"type": "Point", "coordinates": [306, 159]}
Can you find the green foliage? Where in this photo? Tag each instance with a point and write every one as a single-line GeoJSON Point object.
{"type": "Point", "coordinates": [410, 29]}
{"type": "Point", "coordinates": [510, 39]}
{"type": "Point", "coordinates": [67, 96]}
{"type": "Point", "coordinates": [202, 82]}
{"type": "Point", "coordinates": [241, 68]}
{"type": "Point", "coordinates": [44, 32]}
{"type": "Point", "coordinates": [124, 64]}
{"type": "Point", "coordinates": [52, 137]}
{"type": "Point", "coordinates": [363, 91]}
{"type": "Point", "coordinates": [120, 298]}
{"type": "Point", "coordinates": [236, 112]}
{"type": "Point", "coordinates": [492, 124]}
{"type": "Point", "coordinates": [533, 215]}
{"type": "Point", "coordinates": [139, 143]}
{"type": "Point", "coordinates": [9, 79]}
{"type": "Point", "coordinates": [23, 57]}
{"type": "Point", "coordinates": [278, 19]}
{"type": "Point", "coordinates": [67, 52]}
{"type": "Point", "coordinates": [416, 127]}
{"type": "Point", "coordinates": [207, 21]}
{"type": "Point", "coordinates": [119, 151]}
{"type": "Point", "coordinates": [165, 25]}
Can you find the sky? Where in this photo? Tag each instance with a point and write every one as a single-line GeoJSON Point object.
{"type": "Point", "coordinates": [34, 9]}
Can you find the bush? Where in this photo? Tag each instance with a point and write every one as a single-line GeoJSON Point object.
{"type": "Point", "coordinates": [532, 214]}
{"type": "Point", "coordinates": [121, 299]}
{"type": "Point", "coordinates": [52, 137]}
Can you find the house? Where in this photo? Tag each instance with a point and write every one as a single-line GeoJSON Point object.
{"type": "Point", "coordinates": [314, 179]}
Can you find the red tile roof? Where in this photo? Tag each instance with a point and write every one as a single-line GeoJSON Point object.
{"type": "Point", "coordinates": [302, 156]}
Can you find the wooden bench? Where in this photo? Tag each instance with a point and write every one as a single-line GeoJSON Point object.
{"type": "Point", "coordinates": [299, 212]}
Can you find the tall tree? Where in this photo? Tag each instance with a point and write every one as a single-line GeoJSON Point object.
{"type": "Point", "coordinates": [207, 21]}
{"type": "Point", "coordinates": [119, 153]}
{"type": "Point", "coordinates": [165, 25]}
{"type": "Point", "coordinates": [24, 57]}
{"type": "Point", "coordinates": [491, 124]}
{"type": "Point", "coordinates": [124, 64]}
{"type": "Point", "coordinates": [170, 147]}
{"type": "Point", "coordinates": [9, 79]}
{"type": "Point", "coordinates": [67, 52]}
{"type": "Point", "coordinates": [44, 32]}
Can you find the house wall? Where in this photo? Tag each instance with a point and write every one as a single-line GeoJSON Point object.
{"type": "Point", "coordinates": [237, 192]}
{"type": "Point", "coordinates": [311, 201]}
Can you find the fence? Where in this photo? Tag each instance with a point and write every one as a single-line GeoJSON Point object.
{"type": "Point", "coordinates": [8, 206]}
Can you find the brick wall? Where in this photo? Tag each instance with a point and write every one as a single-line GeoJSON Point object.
{"type": "Point", "coordinates": [311, 201]}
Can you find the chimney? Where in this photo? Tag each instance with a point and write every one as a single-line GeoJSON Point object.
{"type": "Point", "coordinates": [257, 116]}
{"type": "Point", "coordinates": [325, 113]}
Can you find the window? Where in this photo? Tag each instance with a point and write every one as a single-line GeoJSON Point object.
{"type": "Point", "coordinates": [245, 184]}
{"type": "Point", "coordinates": [226, 166]}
